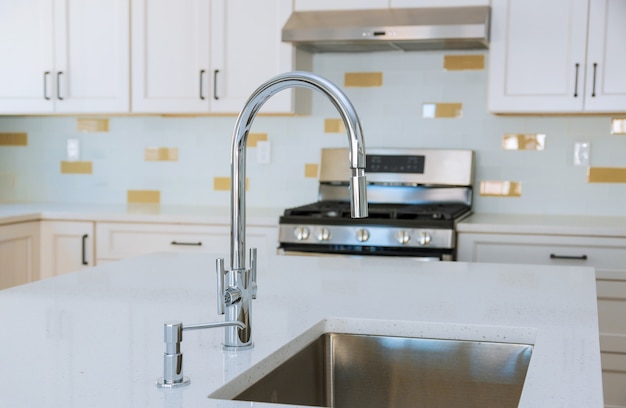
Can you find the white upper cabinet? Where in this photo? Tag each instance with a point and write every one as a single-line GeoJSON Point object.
{"type": "Point", "coordinates": [606, 57]}
{"type": "Point", "coordinates": [543, 62]}
{"type": "Point", "coordinates": [26, 50]}
{"type": "Point", "coordinates": [67, 56]}
{"type": "Point", "coordinates": [92, 56]}
{"type": "Point", "coordinates": [202, 56]}
{"type": "Point", "coordinates": [246, 51]}
{"type": "Point", "coordinates": [170, 55]}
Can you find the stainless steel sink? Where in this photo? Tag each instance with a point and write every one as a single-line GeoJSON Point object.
{"type": "Point", "coordinates": [354, 370]}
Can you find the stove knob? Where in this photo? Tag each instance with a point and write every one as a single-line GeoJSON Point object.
{"type": "Point", "coordinates": [403, 237]}
{"type": "Point", "coordinates": [323, 234]}
{"type": "Point", "coordinates": [301, 233]}
{"type": "Point", "coordinates": [424, 238]}
{"type": "Point", "coordinates": [362, 235]}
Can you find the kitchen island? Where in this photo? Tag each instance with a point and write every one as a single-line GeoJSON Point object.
{"type": "Point", "coordinates": [94, 338]}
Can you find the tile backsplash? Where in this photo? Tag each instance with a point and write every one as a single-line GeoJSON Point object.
{"type": "Point", "coordinates": [391, 115]}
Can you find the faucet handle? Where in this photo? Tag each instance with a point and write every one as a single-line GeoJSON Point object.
{"type": "Point", "coordinates": [219, 269]}
{"type": "Point", "coordinates": [253, 272]}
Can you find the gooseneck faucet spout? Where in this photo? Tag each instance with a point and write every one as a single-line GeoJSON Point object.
{"type": "Point", "coordinates": [235, 301]}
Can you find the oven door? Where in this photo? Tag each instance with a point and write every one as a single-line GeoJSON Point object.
{"type": "Point", "coordinates": [427, 255]}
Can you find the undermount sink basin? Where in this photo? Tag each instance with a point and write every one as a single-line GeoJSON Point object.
{"type": "Point", "coordinates": [362, 370]}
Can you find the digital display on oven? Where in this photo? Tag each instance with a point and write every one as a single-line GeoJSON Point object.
{"type": "Point", "coordinates": [394, 164]}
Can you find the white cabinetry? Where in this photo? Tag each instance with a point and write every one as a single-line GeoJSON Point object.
{"type": "Point", "coordinates": [606, 254]}
{"type": "Point", "coordinates": [66, 246]}
{"type": "Point", "coordinates": [65, 56]}
{"type": "Point", "coordinates": [121, 240]}
{"type": "Point", "coordinates": [204, 56]}
{"type": "Point", "coordinates": [310, 5]}
{"type": "Point", "coordinates": [567, 58]}
{"type": "Point", "coordinates": [19, 254]}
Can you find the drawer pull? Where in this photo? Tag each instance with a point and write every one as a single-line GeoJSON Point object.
{"type": "Point", "coordinates": [187, 243]}
{"type": "Point", "coordinates": [577, 258]}
{"type": "Point", "coordinates": [84, 249]}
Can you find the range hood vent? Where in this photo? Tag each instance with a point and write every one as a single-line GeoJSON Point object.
{"type": "Point", "coordinates": [406, 29]}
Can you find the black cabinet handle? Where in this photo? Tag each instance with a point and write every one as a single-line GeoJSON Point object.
{"type": "Point", "coordinates": [572, 257]}
{"type": "Point", "coordinates": [45, 85]}
{"type": "Point", "coordinates": [593, 88]}
{"type": "Point", "coordinates": [215, 84]}
{"type": "Point", "coordinates": [85, 249]}
{"type": "Point", "coordinates": [59, 97]}
{"type": "Point", "coordinates": [187, 243]}
{"type": "Point", "coordinates": [576, 82]}
{"type": "Point", "coordinates": [201, 85]}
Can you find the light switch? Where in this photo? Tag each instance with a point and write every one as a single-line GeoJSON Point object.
{"type": "Point", "coordinates": [73, 149]}
{"type": "Point", "coordinates": [263, 152]}
{"type": "Point", "coordinates": [582, 152]}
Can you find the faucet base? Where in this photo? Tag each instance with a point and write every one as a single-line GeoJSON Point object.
{"type": "Point", "coordinates": [160, 383]}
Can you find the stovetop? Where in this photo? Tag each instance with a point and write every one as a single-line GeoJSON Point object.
{"type": "Point", "coordinates": [338, 212]}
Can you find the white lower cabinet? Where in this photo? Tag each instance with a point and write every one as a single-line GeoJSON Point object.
{"type": "Point", "coordinates": [19, 254]}
{"type": "Point", "coordinates": [121, 240]}
{"type": "Point", "coordinates": [66, 246]}
{"type": "Point", "coordinates": [606, 254]}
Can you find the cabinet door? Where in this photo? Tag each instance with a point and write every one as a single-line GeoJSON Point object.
{"type": "Point", "coordinates": [246, 51]}
{"type": "Point", "coordinates": [537, 55]}
{"type": "Point", "coordinates": [66, 246]}
{"type": "Point", "coordinates": [309, 5]}
{"type": "Point", "coordinates": [606, 57]}
{"type": "Point", "coordinates": [611, 287]}
{"type": "Point", "coordinates": [19, 254]}
{"type": "Point", "coordinates": [170, 56]}
{"type": "Point", "coordinates": [92, 68]}
{"type": "Point", "coordinates": [26, 53]}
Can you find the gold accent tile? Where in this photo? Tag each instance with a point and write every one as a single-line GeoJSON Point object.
{"type": "Point", "coordinates": [442, 110]}
{"type": "Point", "coordinates": [310, 170]}
{"type": "Point", "coordinates": [76, 167]}
{"type": "Point", "coordinates": [223, 183]}
{"type": "Point", "coordinates": [92, 125]}
{"type": "Point", "coordinates": [253, 138]}
{"type": "Point", "coordinates": [143, 197]}
{"type": "Point", "coordinates": [463, 62]}
{"type": "Point", "coordinates": [334, 126]}
{"type": "Point", "coordinates": [618, 126]}
{"type": "Point", "coordinates": [606, 175]}
{"type": "Point", "coordinates": [524, 141]}
{"type": "Point", "coordinates": [363, 79]}
{"type": "Point", "coordinates": [14, 139]}
{"type": "Point", "coordinates": [160, 154]}
{"type": "Point", "coordinates": [500, 189]}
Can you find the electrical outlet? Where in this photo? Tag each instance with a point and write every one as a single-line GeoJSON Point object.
{"type": "Point", "coordinates": [582, 152]}
{"type": "Point", "coordinates": [73, 149]}
{"type": "Point", "coordinates": [263, 152]}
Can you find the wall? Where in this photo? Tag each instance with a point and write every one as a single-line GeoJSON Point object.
{"type": "Point", "coordinates": [390, 115]}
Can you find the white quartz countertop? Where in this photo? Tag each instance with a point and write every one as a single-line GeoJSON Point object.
{"type": "Point", "coordinates": [259, 216]}
{"type": "Point", "coordinates": [191, 214]}
{"type": "Point", "coordinates": [94, 338]}
{"type": "Point", "coordinates": [602, 226]}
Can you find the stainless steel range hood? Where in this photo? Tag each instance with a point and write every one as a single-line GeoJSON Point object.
{"type": "Point", "coordinates": [407, 29]}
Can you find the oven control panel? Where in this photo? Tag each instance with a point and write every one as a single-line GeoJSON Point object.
{"type": "Point", "coordinates": [383, 236]}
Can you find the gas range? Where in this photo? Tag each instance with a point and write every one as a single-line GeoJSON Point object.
{"type": "Point", "coordinates": [415, 198]}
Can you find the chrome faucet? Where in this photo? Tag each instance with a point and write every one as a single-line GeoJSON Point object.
{"type": "Point", "coordinates": [236, 300]}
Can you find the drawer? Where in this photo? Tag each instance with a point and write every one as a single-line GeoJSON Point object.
{"type": "Point", "coordinates": [121, 240]}
{"type": "Point", "coordinates": [602, 253]}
